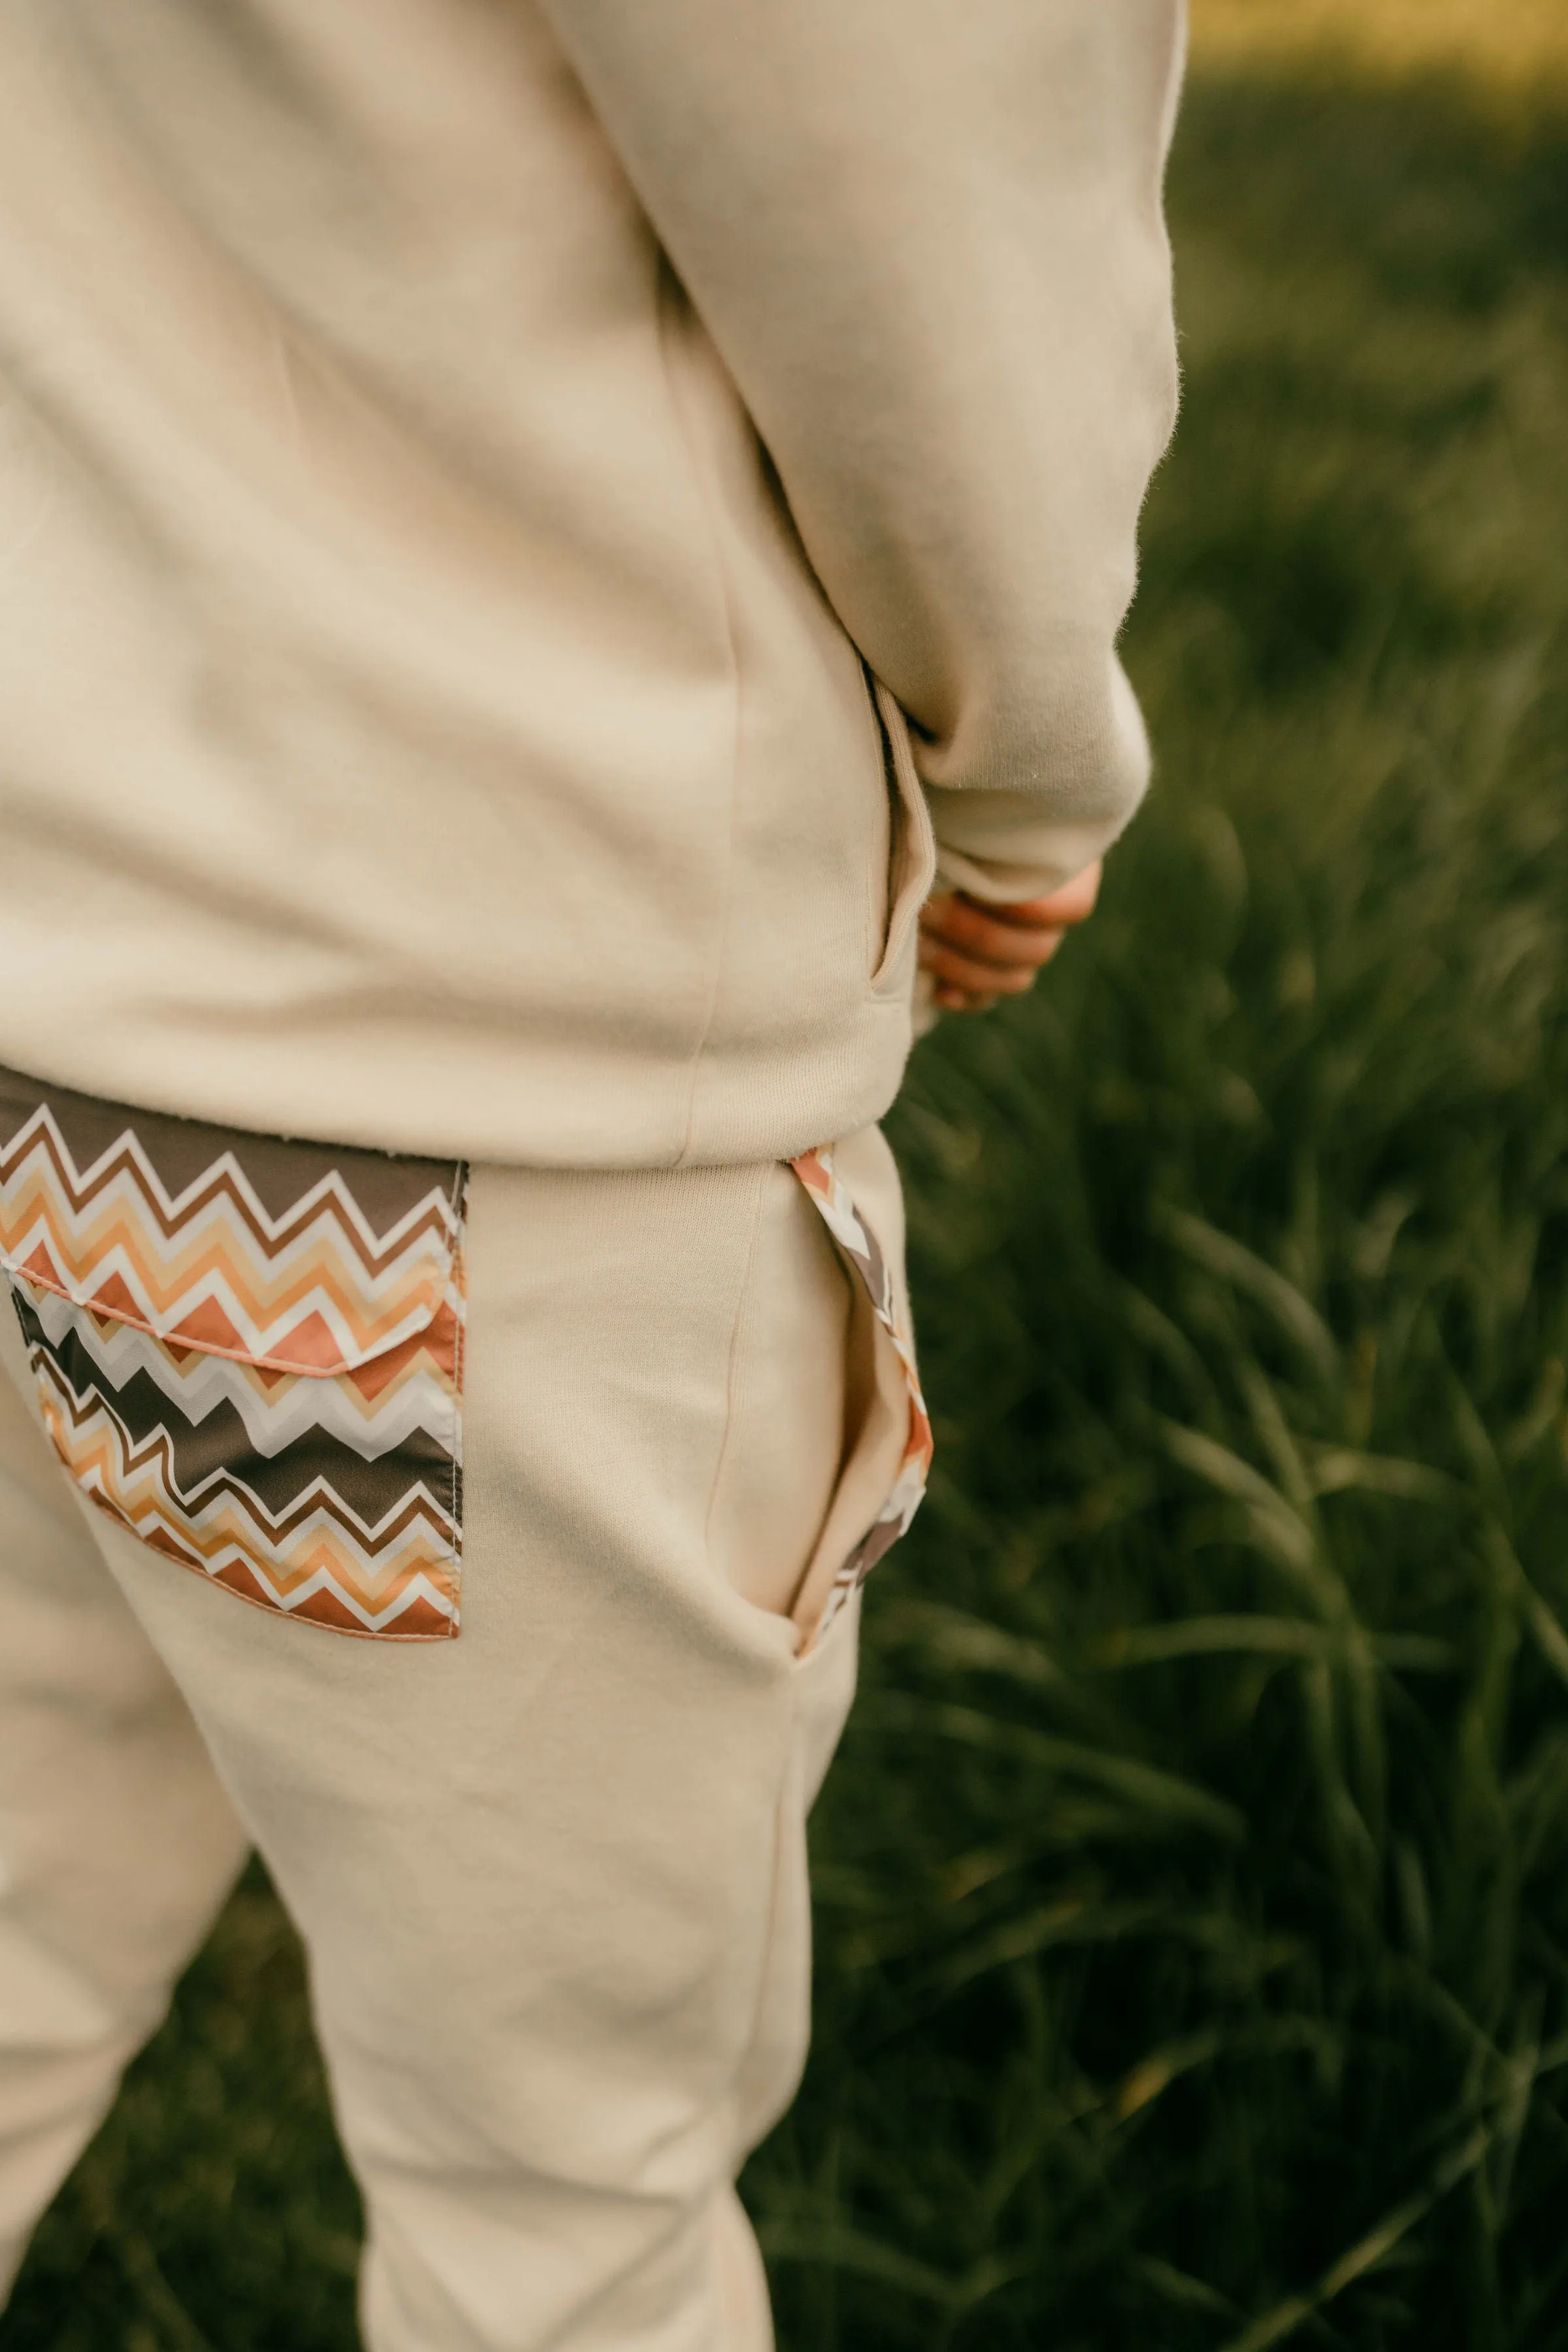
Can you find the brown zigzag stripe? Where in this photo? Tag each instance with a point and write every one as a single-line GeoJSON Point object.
{"type": "Point", "coordinates": [80, 1191]}
{"type": "Point", "coordinates": [314, 1495]}
{"type": "Point", "coordinates": [366, 1409]}
{"type": "Point", "coordinates": [384, 1188]}
{"type": "Point", "coordinates": [313, 1548]}
{"type": "Point", "coordinates": [134, 1487]}
{"type": "Point", "coordinates": [182, 1297]}
{"type": "Point", "coordinates": [423, 1608]}
{"type": "Point", "coordinates": [217, 1449]}
{"type": "Point", "coordinates": [203, 1244]}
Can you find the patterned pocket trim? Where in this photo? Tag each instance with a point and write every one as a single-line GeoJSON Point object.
{"type": "Point", "coordinates": [858, 1245]}
{"type": "Point", "coordinates": [248, 1352]}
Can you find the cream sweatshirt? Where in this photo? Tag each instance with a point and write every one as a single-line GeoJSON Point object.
{"type": "Point", "coordinates": [516, 522]}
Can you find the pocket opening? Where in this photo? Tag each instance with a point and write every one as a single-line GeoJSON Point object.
{"type": "Point", "coordinates": [883, 1476]}
{"type": "Point", "coordinates": [911, 856]}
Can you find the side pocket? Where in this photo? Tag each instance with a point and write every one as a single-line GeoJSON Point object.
{"type": "Point", "coordinates": [883, 1483]}
{"type": "Point", "coordinates": [249, 1354]}
{"type": "Point", "coordinates": [912, 865]}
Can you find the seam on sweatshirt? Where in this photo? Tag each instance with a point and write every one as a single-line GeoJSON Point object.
{"type": "Point", "coordinates": [680, 411]}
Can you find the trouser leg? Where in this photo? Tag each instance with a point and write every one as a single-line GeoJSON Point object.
{"type": "Point", "coordinates": [117, 1843]}
{"type": "Point", "coordinates": [550, 1875]}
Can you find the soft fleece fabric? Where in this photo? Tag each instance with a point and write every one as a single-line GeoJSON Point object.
{"type": "Point", "coordinates": [551, 1877]}
{"type": "Point", "coordinates": [459, 460]}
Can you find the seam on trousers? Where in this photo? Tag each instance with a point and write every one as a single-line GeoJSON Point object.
{"type": "Point", "coordinates": [789, 1783]}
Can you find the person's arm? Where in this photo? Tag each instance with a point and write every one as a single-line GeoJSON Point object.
{"type": "Point", "coordinates": [927, 237]}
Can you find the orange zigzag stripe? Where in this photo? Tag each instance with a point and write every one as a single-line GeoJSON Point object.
{"type": "Point", "coordinates": [90, 1438]}
{"type": "Point", "coordinates": [332, 1197]}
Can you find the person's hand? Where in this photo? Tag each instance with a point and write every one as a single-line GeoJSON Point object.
{"type": "Point", "coordinates": [976, 952]}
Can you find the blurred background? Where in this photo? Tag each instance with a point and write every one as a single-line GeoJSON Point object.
{"type": "Point", "coordinates": [1193, 1887]}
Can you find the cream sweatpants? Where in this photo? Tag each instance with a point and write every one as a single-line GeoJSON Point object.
{"type": "Point", "coordinates": [551, 1874]}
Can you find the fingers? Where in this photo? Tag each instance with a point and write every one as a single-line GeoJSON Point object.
{"type": "Point", "coordinates": [970, 982]}
{"type": "Point", "coordinates": [976, 952]}
{"type": "Point", "coordinates": [980, 973]}
{"type": "Point", "coordinates": [968, 951]}
{"type": "Point", "coordinates": [990, 935]}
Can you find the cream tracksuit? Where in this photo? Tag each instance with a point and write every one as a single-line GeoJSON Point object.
{"type": "Point", "coordinates": [527, 533]}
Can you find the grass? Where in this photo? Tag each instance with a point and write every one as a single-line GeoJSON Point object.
{"type": "Point", "coordinates": [1506, 46]}
{"type": "Point", "coordinates": [1193, 1887]}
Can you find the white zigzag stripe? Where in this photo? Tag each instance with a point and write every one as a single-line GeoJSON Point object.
{"type": "Point", "coordinates": [145, 1515]}
{"type": "Point", "coordinates": [419, 1587]}
{"type": "Point", "coordinates": [196, 1531]}
{"type": "Point", "coordinates": [427, 1254]}
{"type": "Point", "coordinates": [295, 1407]}
{"type": "Point", "coordinates": [329, 1514]}
{"type": "Point", "coordinates": [838, 1213]}
{"type": "Point", "coordinates": [291, 1603]}
{"type": "Point", "coordinates": [323, 1526]}
{"type": "Point", "coordinates": [271, 1278]}
{"type": "Point", "coordinates": [327, 1195]}
{"type": "Point", "coordinates": [256, 1339]}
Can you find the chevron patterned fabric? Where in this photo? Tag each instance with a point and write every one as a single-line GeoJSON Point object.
{"type": "Point", "coordinates": [248, 1352]}
{"type": "Point", "coordinates": [857, 1243]}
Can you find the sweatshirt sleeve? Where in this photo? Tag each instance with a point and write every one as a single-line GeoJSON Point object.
{"type": "Point", "coordinates": [927, 237]}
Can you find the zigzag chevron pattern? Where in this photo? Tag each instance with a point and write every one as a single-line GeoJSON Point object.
{"type": "Point", "coordinates": [860, 1246]}
{"type": "Point", "coordinates": [313, 1290]}
{"type": "Point", "coordinates": [248, 1352]}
